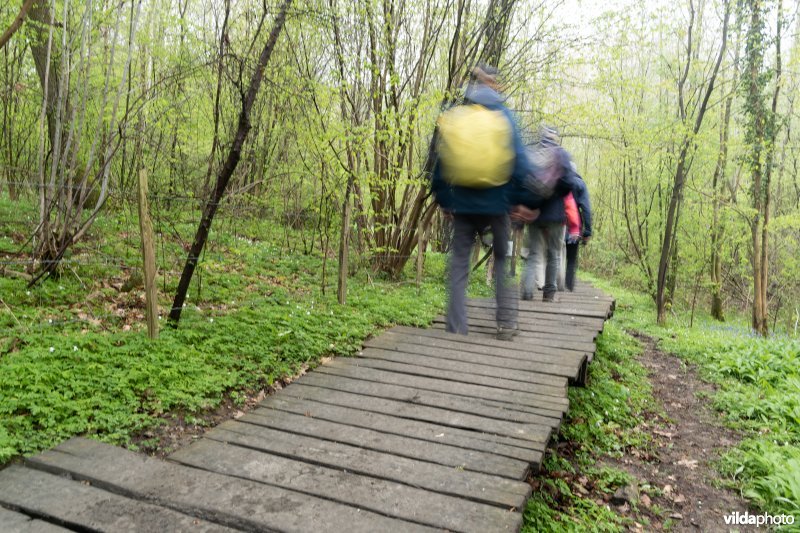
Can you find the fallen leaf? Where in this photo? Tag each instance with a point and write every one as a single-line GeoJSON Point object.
{"type": "Point", "coordinates": [645, 500]}
{"type": "Point", "coordinates": [679, 498]}
{"type": "Point", "coordinates": [667, 490]}
{"type": "Point", "coordinates": [691, 464]}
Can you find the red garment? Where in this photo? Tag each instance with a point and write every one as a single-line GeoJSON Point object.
{"type": "Point", "coordinates": [573, 216]}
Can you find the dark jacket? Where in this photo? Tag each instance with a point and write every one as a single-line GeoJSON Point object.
{"type": "Point", "coordinates": [551, 210]}
{"type": "Point", "coordinates": [494, 200]}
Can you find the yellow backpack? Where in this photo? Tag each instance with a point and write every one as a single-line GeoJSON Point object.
{"type": "Point", "coordinates": [475, 146]}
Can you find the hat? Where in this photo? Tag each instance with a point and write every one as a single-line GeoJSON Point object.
{"type": "Point", "coordinates": [549, 133]}
{"type": "Point", "coordinates": [485, 74]}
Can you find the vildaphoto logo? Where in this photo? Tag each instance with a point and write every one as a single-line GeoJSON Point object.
{"type": "Point", "coordinates": [758, 520]}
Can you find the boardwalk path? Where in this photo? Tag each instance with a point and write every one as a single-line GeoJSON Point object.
{"type": "Point", "coordinates": [423, 431]}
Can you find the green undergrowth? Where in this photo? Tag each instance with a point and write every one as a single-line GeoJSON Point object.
{"type": "Point", "coordinates": [604, 419]}
{"type": "Point", "coordinates": [75, 359]}
{"type": "Point", "coordinates": [758, 393]}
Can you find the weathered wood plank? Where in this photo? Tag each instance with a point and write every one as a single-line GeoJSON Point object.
{"type": "Point", "coordinates": [525, 337]}
{"type": "Point", "coordinates": [517, 350]}
{"type": "Point", "coordinates": [536, 403]}
{"type": "Point", "coordinates": [442, 351]}
{"type": "Point", "coordinates": [533, 318]}
{"type": "Point", "coordinates": [401, 445]}
{"type": "Point", "coordinates": [601, 311]}
{"type": "Point", "coordinates": [527, 452]}
{"type": "Point", "coordinates": [234, 502]}
{"type": "Point", "coordinates": [411, 408]}
{"type": "Point", "coordinates": [453, 375]}
{"type": "Point", "coordinates": [378, 495]}
{"type": "Point", "coordinates": [482, 407]}
{"type": "Point", "coordinates": [475, 486]}
{"type": "Point", "coordinates": [13, 522]}
{"type": "Point", "coordinates": [446, 345]}
{"type": "Point", "coordinates": [553, 330]}
{"type": "Point", "coordinates": [411, 358]}
{"type": "Point", "coordinates": [80, 506]}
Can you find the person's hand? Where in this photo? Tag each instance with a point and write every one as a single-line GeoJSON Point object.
{"type": "Point", "coordinates": [520, 213]}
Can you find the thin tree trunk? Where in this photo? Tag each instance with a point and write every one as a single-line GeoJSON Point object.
{"type": "Point", "coordinates": [16, 24]}
{"type": "Point", "coordinates": [681, 170]}
{"type": "Point", "coordinates": [224, 176]}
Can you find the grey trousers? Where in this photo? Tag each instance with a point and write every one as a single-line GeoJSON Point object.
{"type": "Point", "coordinates": [465, 228]}
{"type": "Point", "coordinates": [544, 243]}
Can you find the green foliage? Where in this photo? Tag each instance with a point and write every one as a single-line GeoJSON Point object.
{"type": "Point", "coordinates": [758, 392]}
{"type": "Point", "coordinates": [603, 419]}
{"type": "Point", "coordinates": [66, 368]}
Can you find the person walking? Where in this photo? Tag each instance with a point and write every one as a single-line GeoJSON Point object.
{"type": "Point", "coordinates": [576, 231]}
{"type": "Point", "coordinates": [480, 158]}
{"type": "Point", "coordinates": [546, 233]}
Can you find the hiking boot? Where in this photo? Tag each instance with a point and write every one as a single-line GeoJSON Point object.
{"type": "Point", "coordinates": [527, 295]}
{"type": "Point", "coordinates": [506, 334]}
{"type": "Point", "coordinates": [550, 298]}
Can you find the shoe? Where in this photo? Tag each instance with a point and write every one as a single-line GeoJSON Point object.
{"type": "Point", "coordinates": [527, 295]}
{"type": "Point", "coordinates": [506, 334]}
{"type": "Point", "coordinates": [550, 298]}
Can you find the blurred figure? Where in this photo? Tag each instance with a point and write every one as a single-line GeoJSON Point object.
{"type": "Point", "coordinates": [576, 231]}
{"type": "Point", "coordinates": [480, 156]}
{"type": "Point", "coordinates": [555, 177]}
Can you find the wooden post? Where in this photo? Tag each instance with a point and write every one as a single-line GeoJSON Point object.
{"type": "Point", "coordinates": [149, 259]}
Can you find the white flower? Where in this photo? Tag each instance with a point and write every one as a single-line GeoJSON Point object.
{"type": "Point", "coordinates": [52, 349]}
{"type": "Point", "coordinates": [211, 320]}
{"type": "Point", "coordinates": [74, 348]}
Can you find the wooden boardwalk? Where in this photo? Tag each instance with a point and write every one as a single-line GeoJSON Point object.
{"type": "Point", "coordinates": [422, 431]}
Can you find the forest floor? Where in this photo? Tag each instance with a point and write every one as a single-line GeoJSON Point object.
{"type": "Point", "coordinates": [688, 439]}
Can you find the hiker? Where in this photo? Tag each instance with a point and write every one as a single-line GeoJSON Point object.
{"type": "Point", "coordinates": [546, 233]}
{"type": "Point", "coordinates": [576, 221]}
{"type": "Point", "coordinates": [480, 156]}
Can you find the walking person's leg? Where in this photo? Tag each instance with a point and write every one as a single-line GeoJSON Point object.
{"type": "Point", "coordinates": [463, 239]}
{"type": "Point", "coordinates": [572, 265]}
{"type": "Point", "coordinates": [552, 244]}
{"type": "Point", "coordinates": [505, 295]}
{"type": "Point", "coordinates": [535, 258]}
{"type": "Point", "coordinates": [562, 262]}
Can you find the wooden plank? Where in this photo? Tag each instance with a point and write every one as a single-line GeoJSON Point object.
{"type": "Point", "coordinates": [509, 426]}
{"type": "Point", "coordinates": [540, 403]}
{"type": "Point", "coordinates": [454, 376]}
{"type": "Point", "coordinates": [474, 486]}
{"type": "Point", "coordinates": [529, 452]}
{"type": "Point", "coordinates": [481, 368]}
{"type": "Point", "coordinates": [384, 497]}
{"type": "Point", "coordinates": [449, 352]}
{"type": "Point", "coordinates": [234, 502]}
{"type": "Point", "coordinates": [555, 330]}
{"type": "Point", "coordinates": [566, 362]}
{"type": "Point", "coordinates": [13, 522]}
{"type": "Point", "coordinates": [482, 407]}
{"type": "Point", "coordinates": [551, 308]}
{"type": "Point", "coordinates": [533, 318]}
{"type": "Point", "coordinates": [400, 445]}
{"type": "Point", "coordinates": [517, 350]}
{"type": "Point", "coordinates": [524, 337]}
{"type": "Point", "coordinates": [88, 508]}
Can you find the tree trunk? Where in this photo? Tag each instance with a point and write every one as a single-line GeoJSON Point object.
{"type": "Point", "coordinates": [16, 24]}
{"type": "Point", "coordinates": [680, 172]}
{"type": "Point", "coordinates": [224, 176]}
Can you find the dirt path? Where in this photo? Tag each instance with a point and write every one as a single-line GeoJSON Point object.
{"type": "Point", "coordinates": [688, 442]}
